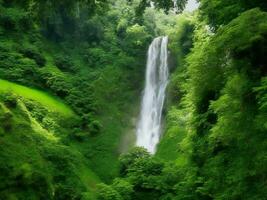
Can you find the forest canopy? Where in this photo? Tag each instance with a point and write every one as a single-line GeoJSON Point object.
{"type": "Point", "coordinates": [72, 76]}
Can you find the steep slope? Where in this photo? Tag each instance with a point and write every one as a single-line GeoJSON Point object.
{"type": "Point", "coordinates": [92, 63]}
{"type": "Point", "coordinates": [34, 156]}
{"type": "Point", "coordinates": [51, 103]}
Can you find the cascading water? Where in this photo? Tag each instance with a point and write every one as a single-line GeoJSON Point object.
{"type": "Point", "coordinates": [157, 72]}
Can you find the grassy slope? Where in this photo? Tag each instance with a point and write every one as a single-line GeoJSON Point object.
{"type": "Point", "coordinates": [30, 151]}
{"type": "Point", "coordinates": [43, 98]}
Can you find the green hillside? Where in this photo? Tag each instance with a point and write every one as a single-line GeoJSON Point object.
{"type": "Point", "coordinates": [72, 77]}
{"type": "Point", "coordinates": [33, 154]}
{"type": "Point", "coordinates": [51, 103]}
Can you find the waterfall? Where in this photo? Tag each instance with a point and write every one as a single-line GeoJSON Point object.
{"type": "Point", "coordinates": [149, 125]}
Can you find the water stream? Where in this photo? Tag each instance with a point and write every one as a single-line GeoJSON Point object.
{"type": "Point", "coordinates": [157, 73]}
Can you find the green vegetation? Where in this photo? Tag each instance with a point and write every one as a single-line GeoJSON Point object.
{"type": "Point", "coordinates": [71, 77]}
{"type": "Point", "coordinates": [35, 162]}
{"type": "Point", "coordinates": [39, 96]}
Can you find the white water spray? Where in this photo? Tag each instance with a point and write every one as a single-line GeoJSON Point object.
{"type": "Point", "coordinates": [157, 72]}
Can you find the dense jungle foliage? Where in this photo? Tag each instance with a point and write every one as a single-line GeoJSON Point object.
{"type": "Point", "coordinates": [71, 79]}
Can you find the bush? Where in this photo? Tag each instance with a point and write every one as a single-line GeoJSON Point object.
{"type": "Point", "coordinates": [92, 30]}
{"type": "Point", "coordinates": [94, 127]}
{"type": "Point", "coordinates": [124, 188]}
{"type": "Point", "coordinates": [5, 118]}
{"type": "Point", "coordinates": [106, 192]}
{"type": "Point", "coordinates": [58, 83]}
{"type": "Point", "coordinates": [64, 64]}
{"type": "Point", "coordinates": [13, 66]}
{"type": "Point", "coordinates": [14, 19]}
{"type": "Point", "coordinates": [35, 55]}
{"type": "Point", "coordinates": [128, 159]}
{"type": "Point", "coordinates": [36, 109]}
{"type": "Point", "coordinates": [79, 135]}
{"type": "Point", "coordinates": [9, 99]}
{"type": "Point", "coordinates": [50, 124]}
{"type": "Point", "coordinates": [63, 192]}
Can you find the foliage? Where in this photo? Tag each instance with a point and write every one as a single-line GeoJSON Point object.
{"type": "Point", "coordinates": [14, 19]}
{"type": "Point", "coordinates": [34, 54]}
{"type": "Point", "coordinates": [85, 76]}
{"type": "Point", "coordinates": [219, 12]}
{"type": "Point", "coordinates": [51, 103]}
{"type": "Point", "coordinates": [106, 192]}
{"type": "Point", "coordinates": [64, 64]}
{"type": "Point", "coordinates": [128, 159]}
{"type": "Point", "coordinates": [124, 188]}
{"type": "Point", "coordinates": [223, 125]}
{"type": "Point", "coordinates": [177, 5]}
{"type": "Point", "coordinates": [34, 163]}
{"type": "Point", "coordinates": [136, 37]}
{"type": "Point", "coordinates": [86, 60]}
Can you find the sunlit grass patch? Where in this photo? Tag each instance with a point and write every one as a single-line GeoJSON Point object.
{"type": "Point", "coordinates": [51, 103]}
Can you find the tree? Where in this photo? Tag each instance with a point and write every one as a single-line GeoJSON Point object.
{"type": "Point", "coordinates": [124, 188]}
{"type": "Point", "coordinates": [176, 5]}
{"type": "Point", "coordinates": [128, 159]}
{"type": "Point", "coordinates": [106, 192]}
{"type": "Point", "coordinates": [218, 12]}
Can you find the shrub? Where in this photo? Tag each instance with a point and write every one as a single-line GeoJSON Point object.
{"type": "Point", "coordinates": [58, 83]}
{"type": "Point", "coordinates": [37, 111]}
{"type": "Point", "coordinates": [5, 118]}
{"type": "Point", "coordinates": [79, 135]}
{"type": "Point", "coordinates": [14, 19]}
{"type": "Point", "coordinates": [94, 127]}
{"type": "Point", "coordinates": [93, 30]}
{"type": "Point", "coordinates": [9, 99]}
{"type": "Point", "coordinates": [49, 124]}
{"type": "Point", "coordinates": [63, 192]}
{"type": "Point", "coordinates": [124, 188]}
{"type": "Point", "coordinates": [106, 192]}
{"type": "Point", "coordinates": [13, 66]}
{"type": "Point", "coordinates": [128, 159]}
{"type": "Point", "coordinates": [64, 64]}
{"type": "Point", "coordinates": [34, 54]}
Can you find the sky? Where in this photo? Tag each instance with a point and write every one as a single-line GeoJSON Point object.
{"type": "Point", "coordinates": [191, 5]}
